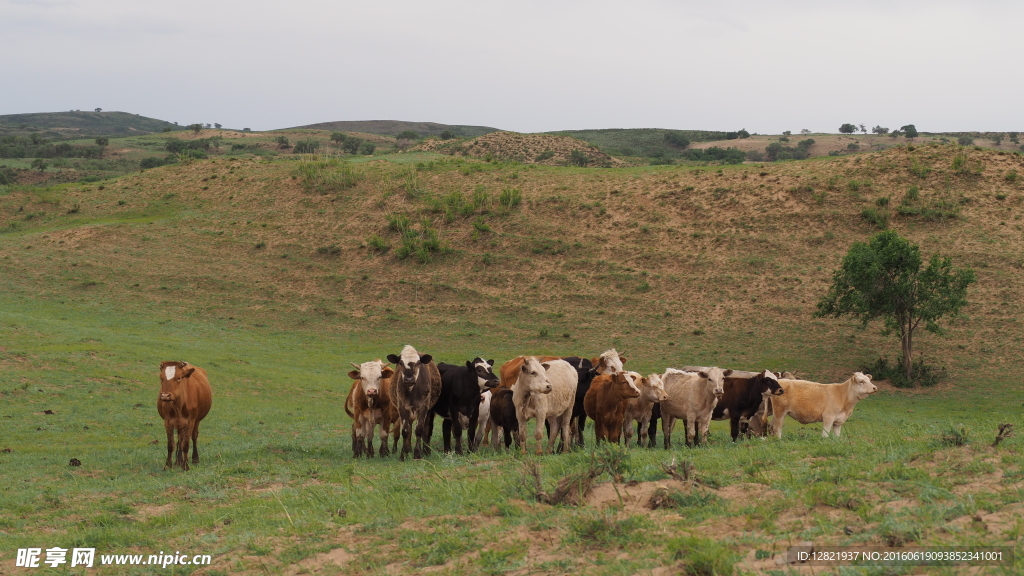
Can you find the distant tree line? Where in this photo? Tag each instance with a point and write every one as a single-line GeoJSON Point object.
{"type": "Point", "coordinates": [716, 154]}
{"type": "Point", "coordinates": [35, 146]}
{"type": "Point", "coordinates": [776, 151]}
{"type": "Point", "coordinates": [354, 145]}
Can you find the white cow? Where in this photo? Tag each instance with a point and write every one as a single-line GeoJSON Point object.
{"type": "Point", "coordinates": [545, 391]}
{"type": "Point", "coordinates": [692, 396]}
{"type": "Point", "coordinates": [830, 404]}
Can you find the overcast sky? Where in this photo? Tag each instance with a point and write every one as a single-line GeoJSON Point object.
{"type": "Point", "coordinates": [523, 65]}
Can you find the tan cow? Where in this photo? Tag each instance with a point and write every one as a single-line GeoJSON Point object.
{"type": "Point", "coordinates": [652, 390]}
{"type": "Point", "coordinates": [545, 391]}
{"type": "Point", "coordinates": [370, 403]}
{"type": "Point", "coordinates": [830, 404]}
{"type": "Point", "coordinates": [185, 399]}
{"type": "Point", "coordinates": [509, 371]}
{"type": "Point", "coordinates": [692, 396]}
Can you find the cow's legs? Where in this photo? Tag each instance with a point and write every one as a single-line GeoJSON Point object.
{"type": "Point", "coordinates": [734, 425]}
{"type": "Point", "coordinates": [538, 434]}
{"type": "Point", "coordinates": [652, 426]}
{"type": "Point", "coordinates": [581, 426]}
{"type": "Point", "coordinates": [667, 424]}
{"type": "Point", "coordinates": [446, 428]}
{"type": "Point", "coordinates": [371, 423]}
{"type": "Point", "coordinates": [471, 436]}
{"type": "Point", "coordinates": [691, 429]}
{"type": "Point", "coordinates": [170, 442]}
{"type": "Point", "coordinates": [777, 419]}
{"type": "Point", "coordinates": [358, 436]}
{"type": "Point", "coordinates": [195, 443]}
{"type": "Point", "coordinates": [627, 433]}
{"type": "Point", "coordinates": [385, 426]}
{"type": "Point", "coordinates": [704, 424]}
{"type": "Point", "coordinates": [406, 433]}
{"type": "Point", "coordinates": [836, 428]}
{"type": "Point", "coordinates": [826, 426]}
{"type": "Point", "coordinates": [183, 439]}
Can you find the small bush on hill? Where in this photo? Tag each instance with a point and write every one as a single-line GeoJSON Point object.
{"type": "Point", "coordinates": [447, 135]}
{"type": "Point", "coordinates": [378, 244]}
{"type": "Point", "coordinates": [407, 135]}
{"type": "Point", "coordinates": [544, 156]}
{"type": "Point", "coordinates": [879, 218]}
{"type": "Point", "coordinates": [677, 139]}
{"type": "Point", "coordinates": [367, 149]}
{"type": "Point", "coordinates": [716, 154]}
{"type": "Point", "coordinates": [306, 146]}
{"type": "Point", "coordinates": [965, 140]}
{"type": "Point", "coordinates": [1010, 177]}
{"type": "Point", "coordinates": [282, 142]}
{"type": "Point", "coordinates": [510, 197]}
{"type": "Point", "coordinates": [578, 158]}
{"type": "Point", "coordinates": [326, 176]}
{"type": "Point", "coordinates": [351, 145]}
{"type": "Point", "coordinates": [921, 374]}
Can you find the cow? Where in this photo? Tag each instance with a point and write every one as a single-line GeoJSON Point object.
{"type": "Point", "coordinates": [459, 403]}
{"type": "Point", "coordinates": [509, 371]}
{"type": "Point", "coordinates": [416, 386]}
{"type": "Point", "coordinates": [184, 400]}
{"type": "Point", "coordinates": [370, 402]}
{"type": "Point", "coordinates": [503, 417]}
{"type": "Point", "coordinates": [641, 408]}
{"type": "Point", "coordinates": [741, 397]}
{"type": "Point", "coordinates": [585, 373]}
{"type": "Point", "coordinates": [544, 391]}
{"type": "Point", "coordinates": [606, 401]}
{"type": "Point", "coordinates": [483, 419]}
{"type": "Point", "coordinates": [692, 396]}
{"type": "Point", "coordinates": [830, 404]}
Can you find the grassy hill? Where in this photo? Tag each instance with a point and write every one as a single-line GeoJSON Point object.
{"type": "Point", "coordinates": [84, 124]}
{"type": "Point", "coordinates": [645, 142]}
{"type": "Point", "coordinates": [275, 272]}
{"type": "Point", "coordinates": [396, 127]}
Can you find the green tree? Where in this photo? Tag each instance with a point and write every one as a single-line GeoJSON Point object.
{"type": "Point", "coordinates": [195, 128]}
{"type": "Point", "coordinates": [878, 129]}
{"type": "Point", "coordinates": [909, 131]}
{"type": "Point", "coordinates": [847, 129]}
{"type": "Point", "coordinates": [102, 141]}
{"type": "Point", "coordinates": [39, 164]}
{"type": "Point", "coordinates": [677, 139]}
{"type": "Point", "coordinates": [965, 140]}
{"type": "Point", "coordinates": [368, 148]}
{"type": "Point", "coordinates": [407, 135]}
{"type": "Point", "coordinates": [997, 139]}
{"type": "Point", "coordinates": [895, 134]}
{"type": "Point", "coordinates": [1014, 137]}
{"type": "Point", "coordinates": [282, 142]}
{"type": "Point", "coordinates": [338, 137]}
{"type": "Point", "coordinates": [352, 144]}
{"type": "Point", "coordinates": [447, 135]}
{"type": "Point", "coordinates": [883, 278]}
{"type": "Point", "coordinates": [216, 125]}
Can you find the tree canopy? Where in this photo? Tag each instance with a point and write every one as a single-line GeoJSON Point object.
{"type": "Point", "coordinates": [847, 129]}
{"type": "Point", "coordinates": [883, 278]}
{"type": "Point", "coordinates": [909, 131]}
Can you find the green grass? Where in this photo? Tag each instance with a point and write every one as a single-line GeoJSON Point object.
{"type": "Point", "coordinates": [161, 265]}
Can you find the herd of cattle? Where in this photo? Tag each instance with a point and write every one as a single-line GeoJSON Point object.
{"type": "Point", "coordinates": [558, 393]}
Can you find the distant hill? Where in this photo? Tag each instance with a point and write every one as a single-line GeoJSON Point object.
{"type": "Point", "coordinates": [646, 142]}
{"type": "Point", "coordinates": [85, 123]}
{"type": "Point", "coordinates": [396, 127]}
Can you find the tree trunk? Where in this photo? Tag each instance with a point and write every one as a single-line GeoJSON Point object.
{"type": "Point", "coordinates": [908, 361]}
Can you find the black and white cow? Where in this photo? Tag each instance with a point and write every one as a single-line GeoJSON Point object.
{"type": "Point", "coordinates": [459, 403]}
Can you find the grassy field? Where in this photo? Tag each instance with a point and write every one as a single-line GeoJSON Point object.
{"type": "Point", "coordinates": [275, 273]}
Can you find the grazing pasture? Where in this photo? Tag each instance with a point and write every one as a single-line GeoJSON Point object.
{"type": "Point", "coordinates": [92, 300]}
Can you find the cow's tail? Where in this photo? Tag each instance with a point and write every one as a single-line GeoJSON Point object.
{"type": "Point", "coordinates": [349, 406]}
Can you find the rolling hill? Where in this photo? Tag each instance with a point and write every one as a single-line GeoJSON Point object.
{"type": "Point", "coordinates": [396, 127]}
{"type": "Point", "coordinates": [85, 123]}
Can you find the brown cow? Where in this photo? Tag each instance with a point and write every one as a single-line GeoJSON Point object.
{"type": "Point", "coordinates": [416, 387]}
{"type": "Point", "coordinates": [370, 403]}
{"type": "Point", "coordinates": [605, 403]}
{"type": "Point", "coordinates": [184, 400]}
{"type": "Point", "coordinates": [509, 371]}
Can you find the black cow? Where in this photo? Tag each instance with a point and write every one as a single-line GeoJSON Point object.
{"type": "Point", "coordinates": [585, 369]}
{"type": "Point", "coordinates": [459, 403]}
{"type": "Point", "coordinates": [743, 396]}
{"type": "Point", "coordinates": [503, 415]}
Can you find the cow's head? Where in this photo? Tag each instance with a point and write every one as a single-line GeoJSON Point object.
{"type": "Point", "coordinates": [371, 376]}
{"type": "Point", "coordinates": [769, 379]}
{"type": "Point", "coordinates": [609, 362]}
{"type": "Point", "coordinates": [533, 375]}
{"type": "Point", "coordinates": [408, 364]}
{"type": "Point", "coordinates": [654, 388]}
{"type": "Point", "coordinates": [862, 385]}
{"type": "Point", "coordinates": [627, 384]}
{"type": "Point", "coordinates": [484, 370]}
{"type": "Point", "coordinates": [716, 379]}
{"type": "Point", "coordinates": [171, 375]}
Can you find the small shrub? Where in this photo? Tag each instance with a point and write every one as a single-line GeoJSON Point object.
{"type": "Point", "coordinates": [481, 199]}
{"type": "Point", "coordinates": [367, 148]}
{"type": "Point", "coordinates": [510, 197]}
{"type": "Point", "coordinates": [260, 245]}
{"type": "Point", "coordinates": [331, 251]}
{"type": "Point", "coordinates": [882, 201]}
{"type": "Point", "coordinates": [481, 226]}
{"type": "Point", "coordinates": [306, 146]}
{"type": "Point", "coordinates": [965, 141]}
{"type": "Point", "coordinates": [398, 222]}
{"type": "Point", "coordinates": [578, 158]}
{"type": "Point", "coordinates": [545, 155]}
{"type": "Point", "coordinates": [920, 170]}
{"type": "Point", "coordinates": [877, 217]}
{"type": "Point", "coordinates": [1010, 177]}
{"type": "Point", "coordinates": [853, 185]}
{"type": "Point", "coordinates": [702, 557]}
{"type": "Point", "coordinates": [912, 195]}
{"type": "Point", "coordinates": [378, 244]}
{"type": "Point", "coordinates": [958, 435]}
